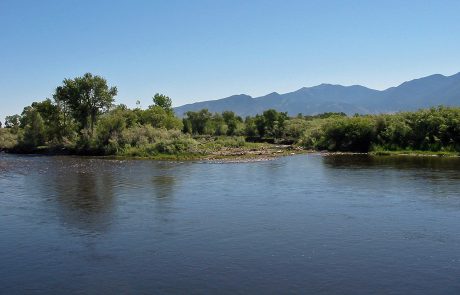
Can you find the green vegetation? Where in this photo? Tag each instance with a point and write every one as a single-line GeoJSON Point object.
{"type": "Point", "coordinates": [82, 118]}
{"type": "Point", "coordinates": [434, 130]}
{"type": "Point", "coordinates": [8, 139]}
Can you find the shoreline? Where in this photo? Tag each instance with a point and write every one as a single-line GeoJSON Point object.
{"type": "Point", "coordinates": [239, 155]}
{"type": "Point", "coordinates": [224, 154]}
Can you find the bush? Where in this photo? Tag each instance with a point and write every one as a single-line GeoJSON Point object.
{"type": "Point", "coordinates": [145, 141]}
{"type": "Point", "coordinates": [108, 132]}
{"type": "Point", "coordinates": [8, 139]}
{"type": "Point", "coordinates": [294, 128]}
{"type": "Point", "coordinates": [314, 135]}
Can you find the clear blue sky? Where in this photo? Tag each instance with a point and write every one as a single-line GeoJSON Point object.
{"type": "Point", "coordinates": [200, 50]}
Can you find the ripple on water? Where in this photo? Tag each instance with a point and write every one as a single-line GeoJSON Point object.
{"type": "Point", "coordinates": [349, 224]}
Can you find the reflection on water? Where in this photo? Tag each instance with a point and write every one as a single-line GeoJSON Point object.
{"type": "Point", "coordinates": [396, 162]}
{"type": "Point", "coordinates": [85, 200]}
{"type": "Point", "coordinates": [163, 186]}
{"type": "Point", "coordinates": [335, 224]}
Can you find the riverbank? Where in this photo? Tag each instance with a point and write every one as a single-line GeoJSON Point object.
{"type": "Point", "coordinates": [204, 151]}
{"type": "Point", "coordinates": [201, 148]}
{"type": "Point", "coordinates": [255, 152]}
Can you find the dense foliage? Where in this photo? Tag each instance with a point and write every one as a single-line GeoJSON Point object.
{"type": "Point", "coordinates": [432, 129]}
{"type": "Point", "coordinates": [82, 118]}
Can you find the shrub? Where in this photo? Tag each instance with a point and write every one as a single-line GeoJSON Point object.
{"type": "Point", "coordinates": [8, 139]}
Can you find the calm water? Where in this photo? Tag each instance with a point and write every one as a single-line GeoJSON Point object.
{"type": "Point", "coordinates": [301, 224]}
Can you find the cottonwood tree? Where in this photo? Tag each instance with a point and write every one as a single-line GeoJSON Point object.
{"type": "Point", "coordinates": [87, 97]}
{"type": "Point", "coordinates": [163, 102]}
{"type": "Point", "coordinates": [34, 128]}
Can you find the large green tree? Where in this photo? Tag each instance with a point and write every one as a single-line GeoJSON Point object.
{"type": "Point", "coordinates": [34, 128]}
{"type": "Point", "coordinates": [86, 97]}
{"type": "Point", "coordinates": [163, 102]}
{"type": "Point", "coordinates": [50, 114]}
{"type": "Point", "coordinates": [196, 122]}
{"type": "Point", "coordinates": [233, 122]}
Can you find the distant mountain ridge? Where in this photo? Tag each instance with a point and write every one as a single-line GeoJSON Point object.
{"type": "Point", "coordinates": [411, 95]}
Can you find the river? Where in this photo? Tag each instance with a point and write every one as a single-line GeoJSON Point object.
{"type": "Point", "coordinates": [301, 224]}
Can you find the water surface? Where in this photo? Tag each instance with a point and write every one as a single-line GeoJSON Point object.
{"type": "Point", "coordinates": [301, 224]}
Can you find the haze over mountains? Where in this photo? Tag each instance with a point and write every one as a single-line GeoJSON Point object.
{"type": "Point", "coordinates": [425, 92]}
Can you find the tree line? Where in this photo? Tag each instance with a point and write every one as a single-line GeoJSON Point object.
{"type": "Point", "coordinates": [82, 117]}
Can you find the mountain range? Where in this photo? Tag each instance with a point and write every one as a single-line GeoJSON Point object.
{"type": "Point", "coordinates": [425, 92]}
